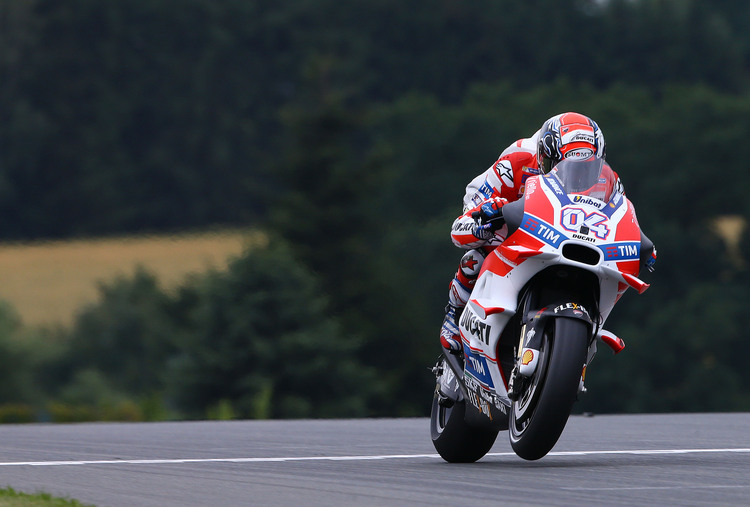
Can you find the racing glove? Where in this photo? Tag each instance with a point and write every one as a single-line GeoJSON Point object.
{"type": "Point", "coordinates": [651, 261]}
{"type": "Point", "coordinates": [489, 217]}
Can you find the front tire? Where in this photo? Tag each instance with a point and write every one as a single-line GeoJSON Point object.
{"type": "Point", "coordinates": [454, 439]}
{"type": "Point", "coordinates": [538, 417]}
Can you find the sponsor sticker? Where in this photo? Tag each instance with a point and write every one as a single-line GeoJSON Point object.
{"type": "Point", "coordinates": [575, 307]}
{"type": "Point", "coordinates": [583, 199]}
{"type": "Point", "coordinates": [583, 237]}
{"type": "Point", "coordinates": [578, 136]}
{"type": "Point", "coordinates": [629, 250]}
{"type": "Point", "coordinates": [552, 182]}
{"type": "Point", "coordinates": [580, 153]}
{"type": "Point", "coordinates": [476, 327]}
{"type": "Point", "coordinates": [527, 357]}
{"type": "Point", "coordinates": [462, 227]}
{"type": "Point", "coordinates": [542, 230]}
{"type": "Point", "coordinates": [486, 189]}
{"type": "Point", "coordinates": [477, 366]}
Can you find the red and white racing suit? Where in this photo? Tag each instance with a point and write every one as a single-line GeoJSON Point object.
{"type": "Point", "coordinates": [505, 179]}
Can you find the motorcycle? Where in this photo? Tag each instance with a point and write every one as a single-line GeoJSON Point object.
{"type": "Point", "coordinates": [535, 315]}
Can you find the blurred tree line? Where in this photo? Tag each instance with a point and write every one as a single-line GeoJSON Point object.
{"type": "Point", "coordinates": [347, 131]}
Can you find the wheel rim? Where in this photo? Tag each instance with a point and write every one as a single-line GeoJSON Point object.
{"type": "Point", "coordinates": [443, 415]}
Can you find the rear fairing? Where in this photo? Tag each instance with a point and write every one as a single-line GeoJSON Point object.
{"type": "Point", "coordinates": [572, 232]}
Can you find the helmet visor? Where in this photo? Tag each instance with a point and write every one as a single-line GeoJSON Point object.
{"type": "Point", "coordinates": [591, 177]}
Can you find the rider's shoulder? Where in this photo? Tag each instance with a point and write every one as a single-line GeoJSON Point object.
{"type": "Point", "coordinates": [522, 152]}
{"type": "Point", "coordinates": [525, 146]}
{"type": "Point", "coordinates": [515, 162]}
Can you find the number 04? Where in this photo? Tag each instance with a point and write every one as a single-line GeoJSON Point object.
{"type": "Point", "coordinates": [574, 218]}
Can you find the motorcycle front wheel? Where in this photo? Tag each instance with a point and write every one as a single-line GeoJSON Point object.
{"type": "Point", "coordinates": [454, 439]}
{"type": "Point", "coordinates": [538, 417]}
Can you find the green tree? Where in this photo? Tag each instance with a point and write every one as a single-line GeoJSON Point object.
{"type": "Point", "coordinates": [261, 339]}
{"type": "Point", "coordinates": [118, 347]}
{"type": "Point", "coordinates": [18, 360]}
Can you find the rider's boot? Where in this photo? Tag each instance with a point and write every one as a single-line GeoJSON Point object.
{"type": "Point", "coordinates": [459, 290]}
{"type": "Point", "coordinates": [450, 337]}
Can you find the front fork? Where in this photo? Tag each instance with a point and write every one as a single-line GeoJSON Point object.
{"type": "Point", "coordinates": [531, 339]}
{"type": "Point", "coordinates": [527, 358]}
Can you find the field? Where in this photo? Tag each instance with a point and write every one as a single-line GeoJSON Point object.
{"type": "Point", "coordinates": [47, 283]}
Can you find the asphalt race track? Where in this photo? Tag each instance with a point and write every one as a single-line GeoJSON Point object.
{"type": "Point", "coordinates": [682, 459]}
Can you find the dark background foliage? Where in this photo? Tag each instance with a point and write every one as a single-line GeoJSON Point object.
{"type": "Point", "coordinates": [347, 131]}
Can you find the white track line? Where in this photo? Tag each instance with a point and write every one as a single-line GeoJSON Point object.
{"type": "Point", "coordinates": [660, 488]}
{"type": "Point", "coordinates": [641, 452]}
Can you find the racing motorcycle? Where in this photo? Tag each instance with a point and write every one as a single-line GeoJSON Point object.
{"type": "Point", "coordinates": [535, 315]}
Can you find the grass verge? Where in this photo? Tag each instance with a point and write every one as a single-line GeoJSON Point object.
{"type": "Point", "coordinates": [12, 498]}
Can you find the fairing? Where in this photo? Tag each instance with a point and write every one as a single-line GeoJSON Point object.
{"type": "Point", "coordinates": [576, 218]}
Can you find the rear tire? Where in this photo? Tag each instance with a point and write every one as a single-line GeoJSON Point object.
{"type": "Point", "coordinates": [454, 439]}
{"type": "Point", "coordinates": [538, 417]}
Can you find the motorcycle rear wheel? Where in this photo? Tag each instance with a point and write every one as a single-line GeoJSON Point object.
{"type": "Point", "coordinates": [538, 417]}
{"type": "Point", "coordinates": [454, 439]}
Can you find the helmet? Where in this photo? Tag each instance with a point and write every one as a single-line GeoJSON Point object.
{"type": "Point", "coordinates": [568, 135]}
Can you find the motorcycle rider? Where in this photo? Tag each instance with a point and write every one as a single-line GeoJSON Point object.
{"type": "Point", "coordinates": [561, 136]}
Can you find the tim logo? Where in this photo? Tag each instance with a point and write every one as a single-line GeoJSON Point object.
{"type": "Point", "coordinates": [622, 251]}
{"type": "Point", "coordinates": [478, 366]}
{"type": "Point", "coordinates": [542, 230]}
{"type": "Point", "coordinates": [486, 189]}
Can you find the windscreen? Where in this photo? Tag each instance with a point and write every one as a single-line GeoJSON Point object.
{"type": "Point", "coordinates": [591, 177]}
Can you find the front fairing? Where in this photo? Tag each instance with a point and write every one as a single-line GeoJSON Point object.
{"type": "Point", "coordinates": [553, 226]}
